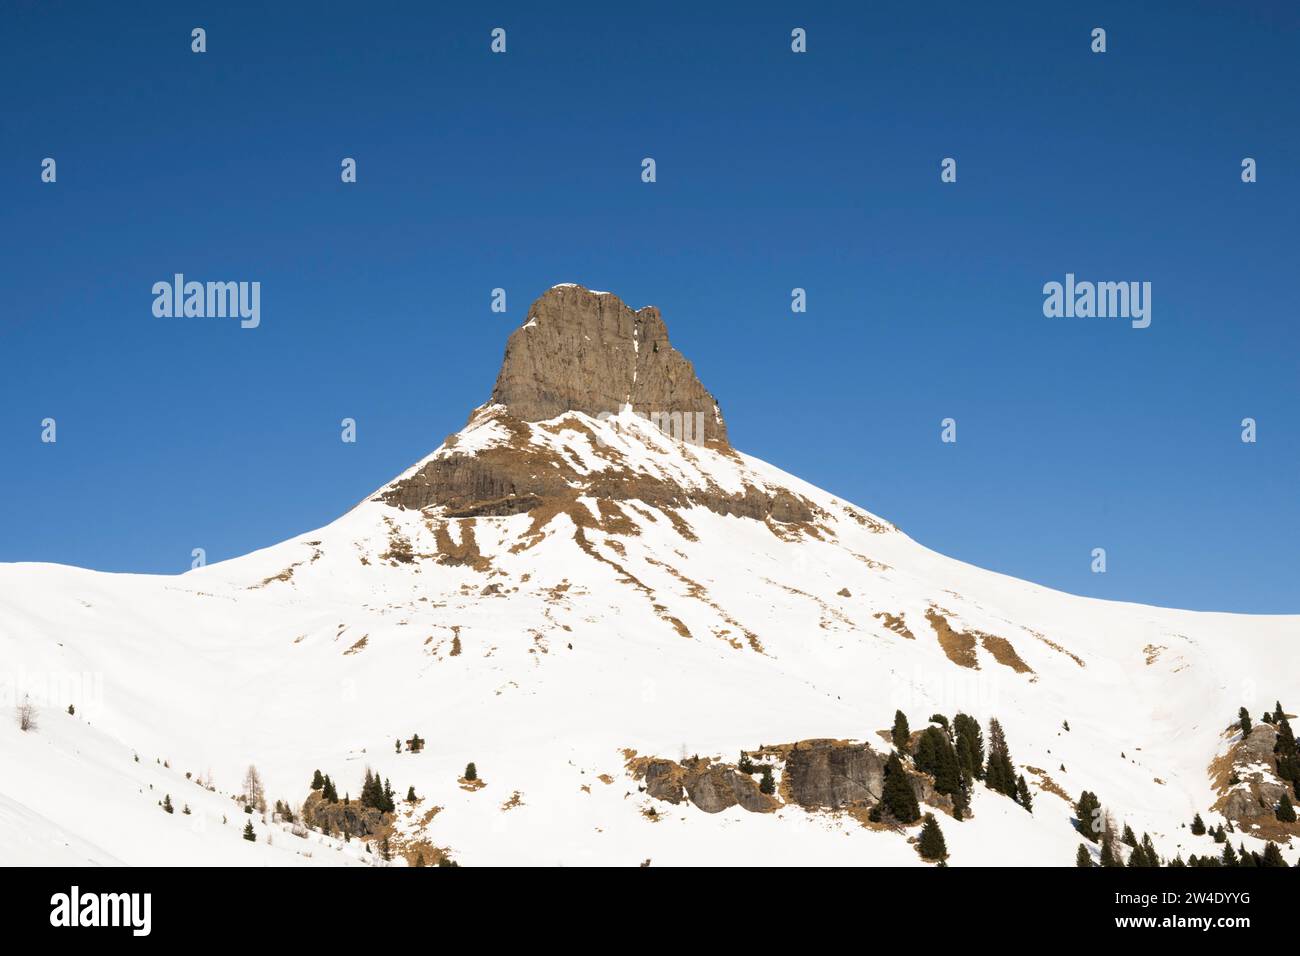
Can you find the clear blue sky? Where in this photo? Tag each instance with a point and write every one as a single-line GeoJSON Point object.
{"type": "Point", "coordinates": [775, 170]}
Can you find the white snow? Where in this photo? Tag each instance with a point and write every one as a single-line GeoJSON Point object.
{"type": "Point", "coordinates": [570, 663]}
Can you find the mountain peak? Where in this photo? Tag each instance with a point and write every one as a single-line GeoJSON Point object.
{"type": "Point", "coordinates": [590, 352]}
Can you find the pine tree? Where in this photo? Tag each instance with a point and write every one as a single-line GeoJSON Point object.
{"type": "Point", "coordinates": [317, 781]}
{"type": "Point", "coordinates": [1285, 812]}
{"type": "Point", "coordinates": [896, 793]}
{"type": "Point", "coordinates": [1243, 720]}
{"type": "Point", "coordinates": [398, 744]}
{"type": "Point", "coordinates": [1149, 855]}
{"type": "Point", "coordinates": [765, 783]}
{"type": "Point", "coordinates": [1272, 856]}
{"type": "Point", "coordinates": [1022, 794]}
{"type": "Point", "coordinates": [410, 794]}
{"type": "Point", "coordinates": [745, 765]}
{"type": "Point", "coordinates": [970, 747]}
{"type": "Point", "coordinates": [1198, 825]}
{"type": "Point", "coordinates": [931, 844]}
{"type": "Point", "coordinates": [249, 835]}
{"type": "Point", "coordinates": [471, 771]}
{"type": "Point", "coordinates": [1219, 835]}
{"type": "Point", "coordinates": [901, 734]}
{"type": "Point", "coordinates": [1129, 837]}
{"type": "Point", "coordinates": [328, 793]}
{"type": "Point", "coordinates": [385, 853]}
{"type": "Point", "coordinates": [167, 804]}
{"type": "Point", "coordinates": [1279, 714]}
{"type": "Point", "coordinates": [935, 755]}
{"type": "Point", "coordinates": [1000, 775]}
{"type": "Point", "coordinates": [1108, 857]}
{"type": "Point", "coordinates": [389, 805]}
{"type": "Point", "coordinates": [1229, 855]}
{"type": "Point", "coordinates": [1083, 857]}
{"type": "Point", "coordinates": [1088, 815]}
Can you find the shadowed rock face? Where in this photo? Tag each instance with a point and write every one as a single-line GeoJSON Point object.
{"type": "Point", "coordinates": [821, 774]}
{"type": "Point", "coordinates": [589, 352]}
{"type": "Point", "coordinates": [1258, 799]}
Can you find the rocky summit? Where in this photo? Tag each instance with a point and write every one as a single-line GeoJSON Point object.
{"type": "Point", "coordinates": [589, 352]}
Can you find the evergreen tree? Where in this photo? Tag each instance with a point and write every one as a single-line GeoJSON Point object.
{"type": "Point", "coordinates": [1149, 855]}
{"type": "Point", "coordinates": [471, 772]}
{"type": "Point", "coordinates": [1272, 856]}
{"type": "Point", "coordinates": [1198, 825]}
{"type": "Point", "coordinates": [1229, 855]}
{"type": "Point", "coordinates": [385, 852]}
{"type": "Point", "coordinates": [896, 793]}
{"type": "Point", "coordinates": [1279, 714]}
{"type": "Point", "coordinates": [317, 781]}
{"type": "Point", "coordinates": [1243, 720]}
{"type": "Point", "coordinates": [167, 804]}
{"type": "Point", "coordinates": [398, 744]}
{"type": "Point", "coordinates": [935, 755]}
{"type": "Point", "coordinates": [410, 794]}
{"type": "Point", "coordinates": [389, 805]}
{"type": "Point", "coordinates": [1108, 857]}
{"type": "Point", "coordinates": [970, 747]}
{"type": "Point", "coordinates": [1088, 815]}
{"type": "Point", "coordinates": [1022, 794]}
{"type": "Point", "coordinates": [931, 844]}
{"type": "Point", "coordinates": [1129, 838]}
{"type": "Point", "coordinates": [1219, 835]}
{"type": "Point", "coordinates": [1000, 774]}
{"type": "Point", "coordinates": [1285, 812]}
{"type": "Point", "coordinates": [1083, 857]}
{"type": "Point", "coordinates": [745, 765]}
{"type": "Point", "coordinates": [249, 835]}
{"type": "Point", "coordinates": [765, 783]}
{"type": "Point", "coordinates": [1177, 861]}
{"type": "Point", "coordinates": [901, 734]}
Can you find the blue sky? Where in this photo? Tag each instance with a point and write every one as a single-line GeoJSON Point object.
{"type": "Point", "coordinates": [775, 170]}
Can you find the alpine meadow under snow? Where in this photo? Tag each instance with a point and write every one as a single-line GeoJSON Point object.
{"type": "Point", "coordinates": [626, 626]}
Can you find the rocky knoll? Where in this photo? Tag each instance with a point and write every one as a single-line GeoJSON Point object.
{"type": "Point", "coordinates": [589, 352]}
{"type": "Point", "coordinates": [1255, 795]}
{"type": "Point", "coordinates": [818, 775]}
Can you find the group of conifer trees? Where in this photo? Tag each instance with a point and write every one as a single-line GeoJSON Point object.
{"type": "Point", "coordinates": [954, 755]}
{"type": "Point", "coordinates": [375, 792]}
{"type": "Point", "coordinates": [1098, 826]}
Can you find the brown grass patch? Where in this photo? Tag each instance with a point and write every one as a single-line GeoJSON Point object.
{"type": "Point", "coordinates": [958, 645]}
{"type": "Point", "coordinates": [1004, 653]}
{"type": "Point", "coordinates": [516, 800]}
{"type": "Point", "coordinates": [1049, 785]}
{"type": "Point", "coordinates": [359, 645]}
{"type": "Point", "coordinates": [895, 623]}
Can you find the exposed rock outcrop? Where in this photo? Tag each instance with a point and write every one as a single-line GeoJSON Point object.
{"type": "Point", "coordinates": [1254, 797]}
{"type": "Point", "coordinates": [587, 351]}
{"type": "Point", "coordinates": [834, 774]}
{"type": "Point", "coordinates": [712, 787]}
{"type": "Point", "coordinates": [817, 775]}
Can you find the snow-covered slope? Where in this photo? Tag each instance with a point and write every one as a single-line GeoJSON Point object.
{"type": "Point", "coordinates": [548, 640]}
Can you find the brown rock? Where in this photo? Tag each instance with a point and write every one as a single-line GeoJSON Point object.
{"type": "Point", "coordinates": [588, 352]}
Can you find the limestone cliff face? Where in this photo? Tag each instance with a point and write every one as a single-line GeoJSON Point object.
{"type": "Point", "coordinates": [589, 352]}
